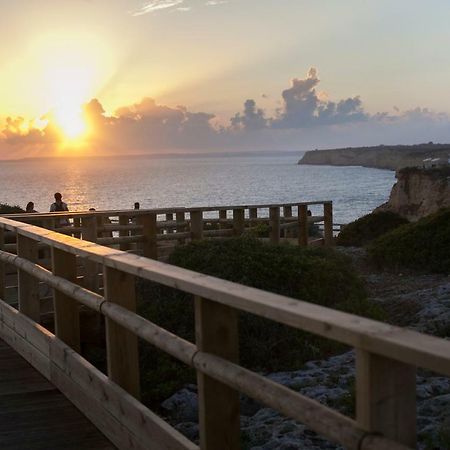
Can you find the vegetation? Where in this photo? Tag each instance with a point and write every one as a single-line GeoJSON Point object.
{"type": "Point", "coordinates": [314, 275]}
{"type": "Point", "coordinates": [8, 209]}
{"type": "Point", "coordinates": [369, 227]}
{"type": "Point", "coordinates": [423, 245]}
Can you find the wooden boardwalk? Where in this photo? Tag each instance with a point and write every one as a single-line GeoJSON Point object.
{"type": "Point", "coordinates": [35, 415]}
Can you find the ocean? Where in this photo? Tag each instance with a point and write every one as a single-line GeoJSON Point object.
{"type": "Point", "coordinates": [200, 180]}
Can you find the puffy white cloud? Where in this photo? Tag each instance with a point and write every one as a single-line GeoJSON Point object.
{"type": "Point", "coordinates": [303, 106]}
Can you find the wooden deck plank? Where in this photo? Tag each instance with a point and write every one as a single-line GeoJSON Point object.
{"type": "Point", "coordinates": [35, 415]}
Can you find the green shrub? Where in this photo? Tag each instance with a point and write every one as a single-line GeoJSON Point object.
{"type": "Point", "coordinates": [423, 245]}
{"type": "Point", "coordinates": [8, 209]}
{"type": "Point", "coordinates": [369, 227]}
{"type": "Point", "coordinates": [314, 275]}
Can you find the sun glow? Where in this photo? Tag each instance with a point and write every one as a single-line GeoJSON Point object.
{"type": "Point", "coordinates": [71, 122]}
{"type": "Point", "coordinates": [68, 71]}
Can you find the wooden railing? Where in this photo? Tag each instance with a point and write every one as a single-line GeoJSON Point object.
{"type": "Point", "coordinates": [386, 356]}
{"type": "Point", "coordinates": [154, 232]}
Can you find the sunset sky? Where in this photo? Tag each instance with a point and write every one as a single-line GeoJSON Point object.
{"type": "Point", "coordinates": [198, 75]}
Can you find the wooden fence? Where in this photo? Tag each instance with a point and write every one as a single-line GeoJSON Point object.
{"type": "Point", "coordinates": [154, 233]}
{"type": "Point", "coordinates": [386, 356]}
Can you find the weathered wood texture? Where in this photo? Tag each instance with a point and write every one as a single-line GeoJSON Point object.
{"type": "Point", "coordinates": [126, 422]}
{"type": "Point", "coordinates": [217, 333]}
{"type": "Point", "coordinates": [121, 345]}
{"type": "Point", "coordinates": [28, 286]}
{"type": "Point", "coordinates": [67, 314]}
{"type": "Point", "coordinates": [386, 397]}
{"type": "Point", "coordinates": [35, 415]}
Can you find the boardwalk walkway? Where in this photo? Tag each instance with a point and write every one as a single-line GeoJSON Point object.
{"type": "Point", "coordinates": [35, 415]}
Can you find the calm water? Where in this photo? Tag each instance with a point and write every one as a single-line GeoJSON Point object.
{"type": "Point", "coordinates": [193, 181]}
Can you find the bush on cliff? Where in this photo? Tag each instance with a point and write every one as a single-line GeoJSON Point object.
{"type": "Point", "coordinates": [314, 275]}
{"type": "Point", "coordinates": [8, 209]}
{"type": "Point", "coordinates": [422, 246]}
{"type": "Point", "coordinates": [369, 227]}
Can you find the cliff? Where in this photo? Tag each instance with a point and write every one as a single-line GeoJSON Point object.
{"type": "Point", "coordinates": [381, 157]}
{"type": "Point", "coordinates": [419, 192]}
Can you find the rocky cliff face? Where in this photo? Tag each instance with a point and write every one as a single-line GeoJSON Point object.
{"type": "Point", "coordinates": [419, 192]}
{"type": "Point", "coordinates": [381, 157]}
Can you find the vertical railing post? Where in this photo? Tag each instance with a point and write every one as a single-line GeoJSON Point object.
{"type": "Point", "coordinates": [2, 266]}
{"type": "Point", "coordinates": [253, 215]}
{"type": "Point", "coordinates": [100, 223]}
{"type": "Point", "coordinates": [238, 221]}
{"type": "Point", "coordinates": [287, 214]}
{"type": "Point", "coordinates": [274, 221]}
{"type": "Point", "coordinates": [169, 218]}
{"type": "Point", "coordinates": [124, 221]}
{"type": "Point", "coordinates": [328, 224]}
{"type": "Point", "coordinates": [149, 231]}
{"type": "Point", "coordinates": [302, 225]}
{"type": "Point", "coordinates": [29, 303]}
{"type": "Point", "coordinates": [121, 344]}
{"type": "Point", "coordinates": [77, 227]}
{"type": "Point", "coordinates": [216, 329]}
{"type": "Point", "coordinates": [386, 397]}
{"type": "Point", "coordinates": [196, 225]}
{"type": "Point", "coordinates": [91, 270]}
{"type": "Point", "coordinates": [223, 216]}
{"type": "Point", "coordinates": [67, 312]}
{"type": "Point", "coordinates": [180, 218]}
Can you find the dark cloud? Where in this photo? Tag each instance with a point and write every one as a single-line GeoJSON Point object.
{"type": "Point", "coordinates": [251, 119]}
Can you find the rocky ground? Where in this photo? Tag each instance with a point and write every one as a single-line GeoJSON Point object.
{"type": "Point", "coordinates": [417, 301]}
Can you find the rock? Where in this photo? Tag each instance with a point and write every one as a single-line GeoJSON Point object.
{"type": "Point", "coordinates": [418, 193]}
{"type": "Point", "coordinates": [182, 406]}
{"type": "Point", "coordinates": [390, 157]}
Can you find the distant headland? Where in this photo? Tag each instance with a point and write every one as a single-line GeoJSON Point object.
{"type": "Point", "coordinates": [390, 157]}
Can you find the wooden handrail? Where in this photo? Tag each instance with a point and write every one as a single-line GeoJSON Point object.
{"type": "Point", "coordinates": [118, 228]}
{"type": "Point", "coordinates": [386, 355]}
{"type": "Point", "coordinates": [138, 212]}
{"type": "Point", "coordinates": [378, 337]}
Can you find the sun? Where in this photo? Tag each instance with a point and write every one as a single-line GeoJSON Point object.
{"type": "Point", "coordinates": [69, 83]}
{"type": "Point", "coordinates": [71, 122]}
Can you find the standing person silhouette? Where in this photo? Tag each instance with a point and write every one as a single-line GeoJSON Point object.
{"type": "Point", "coordinates": [59, 205]}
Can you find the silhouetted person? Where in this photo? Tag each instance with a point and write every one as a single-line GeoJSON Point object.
{"type": "Point", "coordinates": [137, 205]}
{"type": "Point", "coordinates": [59, 205]}
{"type": "Point", "coordinates": [30, 208]}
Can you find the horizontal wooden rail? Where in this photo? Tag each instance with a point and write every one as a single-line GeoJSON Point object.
{"type": "Point", "coordinates": [338, 427]}
{"type": "Point", "coordinates": [387, 340]}
{"type": "Point", "coordinates": [118, 228]}
{"type": "Point", "coordinates": [386, 355]}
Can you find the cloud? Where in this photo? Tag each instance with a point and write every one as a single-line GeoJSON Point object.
{"type": "Point", "coordinates": [215, 2]}
{"type": "Point", "coordinates": [251, 119]}
{"type": "Point", "coordinates": [303, 106]}
{"type": "Point", "coordinates": [172, 5]}
{"type": "Point", "coordinates": [156, 5]}
{"type": "Point", "coordinates": [306, 118]}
